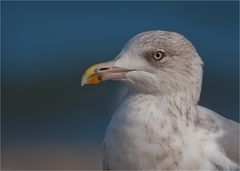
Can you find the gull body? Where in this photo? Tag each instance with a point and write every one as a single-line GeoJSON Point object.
{"type": "Point", "coordinates": [159, 124]}
{"type": "Point", "coordinates": [148, 133]}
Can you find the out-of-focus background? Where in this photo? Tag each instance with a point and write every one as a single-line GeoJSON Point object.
{"type": "Point", "coordinates": [47, 120]}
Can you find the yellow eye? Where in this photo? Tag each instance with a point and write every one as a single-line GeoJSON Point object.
{"type": "Point", "coordinates": [158, 55]}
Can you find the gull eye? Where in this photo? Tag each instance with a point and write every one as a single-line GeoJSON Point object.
{"type": "Point", "coordinates": [158, 55]}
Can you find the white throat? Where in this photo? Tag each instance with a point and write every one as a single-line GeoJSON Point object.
{"type": "Point", "coordinates": [180, 105]}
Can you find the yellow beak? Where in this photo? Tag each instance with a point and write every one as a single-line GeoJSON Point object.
{"type": "Point", "coordinates": [101, 72]}
{"type": "Point", "coordinates": [90, 76]}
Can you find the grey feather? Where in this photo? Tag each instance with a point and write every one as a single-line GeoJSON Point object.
{"type": "Point", "coordinates": [229, 141]}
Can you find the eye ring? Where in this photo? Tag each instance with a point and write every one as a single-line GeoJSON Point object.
{"type": "Point", "coordinates": [158, 55]}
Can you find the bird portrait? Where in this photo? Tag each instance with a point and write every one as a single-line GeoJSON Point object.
{"type": "Point", "coordinates": [159, 124]}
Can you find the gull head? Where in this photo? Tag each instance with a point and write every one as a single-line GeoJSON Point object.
{"type": "Point", "coordinates": [153, 62]}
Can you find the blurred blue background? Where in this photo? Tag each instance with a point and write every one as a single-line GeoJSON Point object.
{"type": "Point", "coordinates": [48, 121]}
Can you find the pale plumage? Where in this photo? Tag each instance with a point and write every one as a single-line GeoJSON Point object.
{"type": "Point", "coordinates": [159, 125]}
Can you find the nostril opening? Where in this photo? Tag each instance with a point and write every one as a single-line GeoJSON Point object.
{"type": "Point", "coordinates": [102, 69]}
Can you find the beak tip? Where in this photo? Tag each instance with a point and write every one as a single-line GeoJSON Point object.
{"type": "Point", "coordinates": [83, 81]}
{"type": "Point", "coordinates": [92, 76]}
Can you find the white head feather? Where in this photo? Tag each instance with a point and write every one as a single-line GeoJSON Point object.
{"type": "Point", "coordinates": [179, 70]}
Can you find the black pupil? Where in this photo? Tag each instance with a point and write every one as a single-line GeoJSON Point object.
{"type": "Point", "coordinates": [157, 55]}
